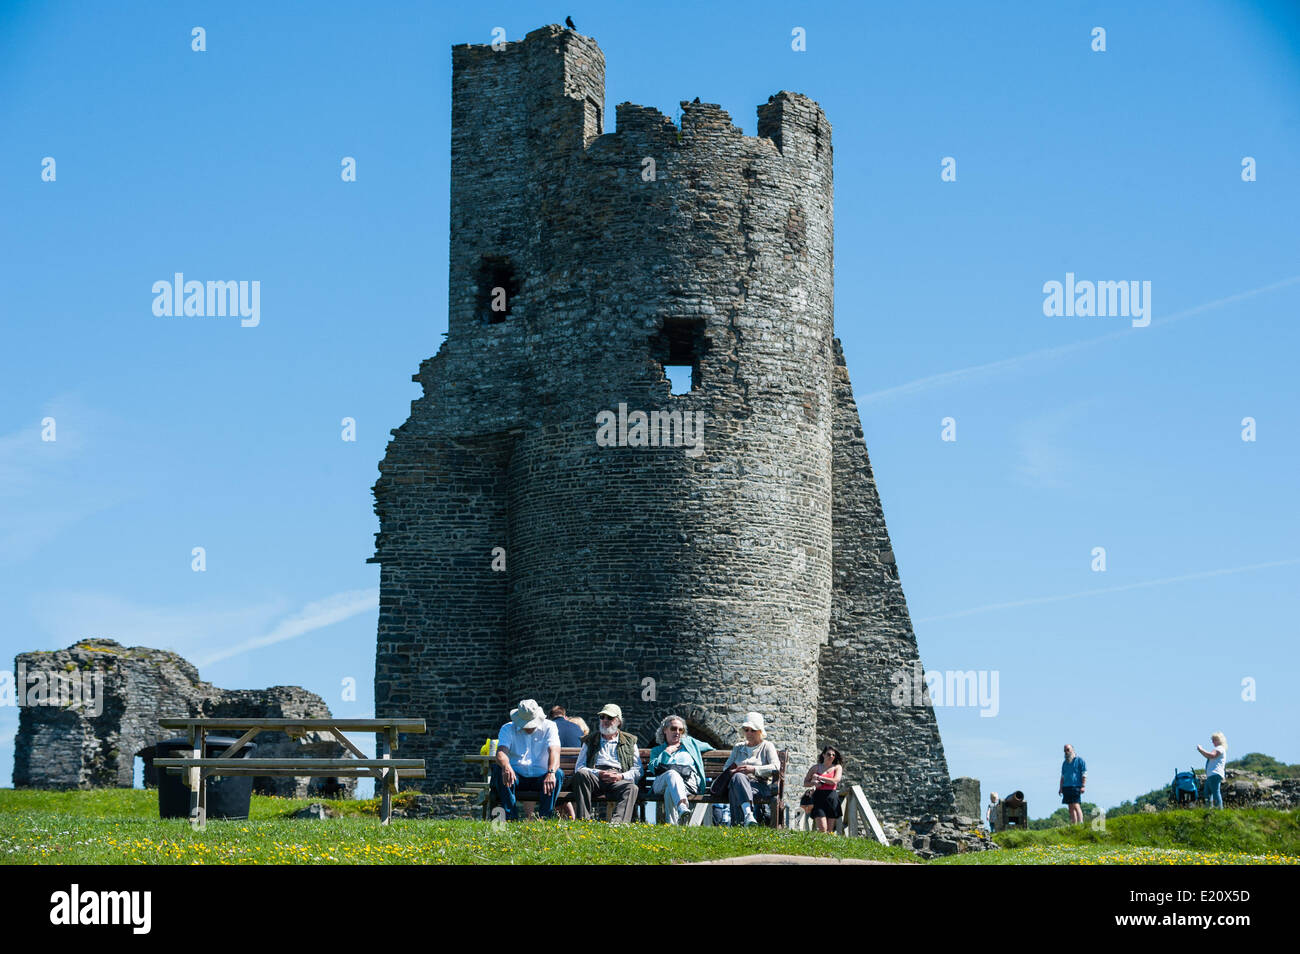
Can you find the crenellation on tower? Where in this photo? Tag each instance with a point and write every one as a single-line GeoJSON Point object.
{"type": "Point", "coordinates": [707, 120]}
{"type": "Point", "coordinates": [796, 125]}
{"type": "Point", "coordinates": [643, 124]}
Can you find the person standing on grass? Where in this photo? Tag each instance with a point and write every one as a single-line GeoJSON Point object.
{"type": "Point", "coordinates": [1215, 761]}
{"type": "Point", "coordinates": [1074, 779]}
{"type": "Point", "coordinates": [825, 776]}
{"type": "Point", "coordinates": [527, 759]}
{"type": "Point", "coordinates": [991, 813]}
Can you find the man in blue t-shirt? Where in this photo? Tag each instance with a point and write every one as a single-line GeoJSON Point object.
{"type": "Point", "coordinates": [1074, 778]}
{"type": "Point", "coordinates": [570, 734]}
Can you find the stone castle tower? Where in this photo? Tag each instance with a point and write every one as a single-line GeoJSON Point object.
{"type": "Point", "coordinates": [749, 571]}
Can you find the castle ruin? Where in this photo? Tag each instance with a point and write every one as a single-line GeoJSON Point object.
{"type": "Point", "coordinates": [63, 742]}
{"type": "Point", "coordinates": [523, 556]}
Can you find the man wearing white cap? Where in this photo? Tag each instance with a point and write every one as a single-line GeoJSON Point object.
{"type": "Point", "coordinates": [756, 761]}
{"type": "Point", "coordinates": [527, 759]}
{"type": "Point", "coordinates": [609, 762]}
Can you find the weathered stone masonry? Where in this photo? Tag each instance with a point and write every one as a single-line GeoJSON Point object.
{"type": "Point", "coordinates": [757, 575]}
{"type": "Point", "coordinates": [71, 747]}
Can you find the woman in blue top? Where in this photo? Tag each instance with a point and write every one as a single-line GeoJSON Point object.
{"type": "Point", "coordinates": [677, 765]}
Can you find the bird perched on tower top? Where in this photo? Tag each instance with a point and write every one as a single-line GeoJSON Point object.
{"type": "Point", "coordinates": [568, 22]}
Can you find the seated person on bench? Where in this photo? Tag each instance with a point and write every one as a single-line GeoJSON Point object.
{"type": "Point", "coordinates": [757, 764]}
{"type": "Point", "coordinates": [609, 762]}
{"type": "Point", "coordinates": [528, 760]}
{"type": "Point", "coordinates": [677, 764]}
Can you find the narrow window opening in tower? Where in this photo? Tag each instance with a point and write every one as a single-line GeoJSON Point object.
{"type": "Point", "coordinates": [678, 348]}
{"type": "Point", "coordinates": [497, 287]}
{"type": "Point", "coordinates": [593, 124]}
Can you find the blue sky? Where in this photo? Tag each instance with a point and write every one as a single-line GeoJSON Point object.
{"type": "Point", "coordinates": [1072, 433]}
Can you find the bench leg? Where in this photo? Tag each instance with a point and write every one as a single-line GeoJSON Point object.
{"type": "Point", "coordinates": [190, 782]}
{"type": "Point", "coordinates": [198, 790]}
{"type": "Point", "coordinates": [701, 816]}
{"type": "Point", "coordinates": [386, 798]}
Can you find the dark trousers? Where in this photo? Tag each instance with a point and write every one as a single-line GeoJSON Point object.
{"type": "Point", "coordinates": [506, 793]}
{"type": "Point", "coordinates": [746, 788]}
{"type": "Point", "coordinates": [587, 784]}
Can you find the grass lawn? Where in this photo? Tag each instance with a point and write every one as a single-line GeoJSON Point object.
{"type": "Point", "coordinates": [1258, 836]}
{"type": "Point", "coordinates": [121, 826]}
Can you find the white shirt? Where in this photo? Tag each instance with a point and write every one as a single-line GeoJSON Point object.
{"type": "Point", "coordinates": [1215, 765]}
{"type": "Point", "coordinates": [529, 752]}
{"type": "Point", "coordinates": [607, 759]}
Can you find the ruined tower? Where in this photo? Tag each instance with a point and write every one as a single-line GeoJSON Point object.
{"type": "Point", "coordinates": [750, 570]}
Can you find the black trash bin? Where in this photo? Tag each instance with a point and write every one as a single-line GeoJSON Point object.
{"type": "Point", "coordinates": [228, 796]}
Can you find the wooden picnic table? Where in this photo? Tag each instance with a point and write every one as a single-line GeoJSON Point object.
{"type": "Point", "coordinates": [385, 769]}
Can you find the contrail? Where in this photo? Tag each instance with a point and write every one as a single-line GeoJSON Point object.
{"type": "Point", "coordinates": [1109, 589]}
{"type": "Point", "coordinates": [313, 616]}
{"type": "Point", "coordinates": [1007, 364]}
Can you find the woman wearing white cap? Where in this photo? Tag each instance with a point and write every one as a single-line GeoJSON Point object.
{"type": "Point", "coordinates": [755, 762]}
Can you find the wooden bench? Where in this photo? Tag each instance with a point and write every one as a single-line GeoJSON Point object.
{"type": "Point", "coordinates": [714, 760]}
{"type": "Point", "coordinates": [385, 769]}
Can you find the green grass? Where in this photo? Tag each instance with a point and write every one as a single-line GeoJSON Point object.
{"type": "Point", "coordinates": [1115, 855]}
{"type": "Point", "coordinates": [1252, 830]}
{"type": "Point", "coordinates": [137, 804]}
{"type": "Point", "coordinates": [121, 826]}
{"type": "Point", "coordinates": [1195, 836]}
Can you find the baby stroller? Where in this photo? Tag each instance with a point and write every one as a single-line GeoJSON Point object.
{"type": "Point", "coordinates": [1184, 790]}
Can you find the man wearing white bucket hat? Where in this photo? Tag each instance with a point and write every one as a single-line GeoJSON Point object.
{"type": "Point", "coordinates": [527, 759]}
{"type": "Point", "coordinates": [755, 761]}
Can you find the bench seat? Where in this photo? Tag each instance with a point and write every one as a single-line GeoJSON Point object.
{"type": "Point", "coordinates": [714, 760]}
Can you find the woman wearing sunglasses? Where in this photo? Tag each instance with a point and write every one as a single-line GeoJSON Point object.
{"type": "Point", "coordinates": [677, 765]}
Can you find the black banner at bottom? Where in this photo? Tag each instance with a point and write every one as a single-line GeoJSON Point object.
{"type": "Point", "coordinates": [212, 904]}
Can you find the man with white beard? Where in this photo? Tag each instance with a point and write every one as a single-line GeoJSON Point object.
{"type": "Point", "coordinates": [609, 762]}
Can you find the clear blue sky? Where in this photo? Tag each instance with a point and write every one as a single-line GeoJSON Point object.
{"type": "Point", "coordinates": [1122, 165]}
